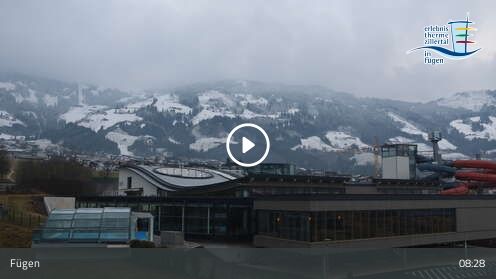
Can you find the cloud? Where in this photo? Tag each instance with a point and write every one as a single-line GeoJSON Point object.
{"type": "Point", "coordinates": [353, 46]}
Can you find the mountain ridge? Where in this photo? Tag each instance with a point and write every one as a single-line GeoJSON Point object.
{"type": "Point", "coordinates": [312, 125]}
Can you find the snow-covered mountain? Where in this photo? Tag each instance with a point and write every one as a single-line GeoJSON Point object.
{"type": "Point", "coordinates": [310, 125]}
{"type": "Point", "coordinates": [473, 101]}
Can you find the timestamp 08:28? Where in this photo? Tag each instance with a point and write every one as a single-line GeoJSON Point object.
{"type": "Point", "coordinates": [472, 263]}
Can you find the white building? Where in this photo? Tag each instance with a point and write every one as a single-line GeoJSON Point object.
{"type": "Point", "coordinates": [398, 161]}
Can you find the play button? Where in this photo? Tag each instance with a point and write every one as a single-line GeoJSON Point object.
{"type": "Point", "coordinates": [246, 145]}
{"type": "Point", "coordinates": [251, 151]}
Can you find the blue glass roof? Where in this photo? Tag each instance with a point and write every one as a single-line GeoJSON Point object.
{"type": "Point", "coordinates": [99, 225]}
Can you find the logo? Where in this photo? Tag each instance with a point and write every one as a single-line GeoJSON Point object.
{"type": "Point", "coordinates": [451, 41]}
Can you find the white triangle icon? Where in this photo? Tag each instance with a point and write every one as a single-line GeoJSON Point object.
{"type": "Point", "coordinates": [246, 145]}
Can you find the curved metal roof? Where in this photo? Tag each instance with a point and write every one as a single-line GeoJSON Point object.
{"type": "Point", "coordinates": [176, 179]}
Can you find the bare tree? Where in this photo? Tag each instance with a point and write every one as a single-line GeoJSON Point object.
{"type": "Point", "coordinates": [4, 164]}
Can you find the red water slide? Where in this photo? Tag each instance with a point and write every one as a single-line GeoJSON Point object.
{"type": "Point", "coordinates": [461, 189]}
{"type": "Point", "coordinates": [475, 164]}
{"type": "Point", "coordinates": [476, 176]}
{"type": "Point", "coordinates": [485, 175]}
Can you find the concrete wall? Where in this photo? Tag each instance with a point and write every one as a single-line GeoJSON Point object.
{"type": "Point", "coordinates": [389, 167]}
{"type": "Point", "coordinates": [52, 203]}
{"type": "Point", "coordinates": [475, 219]}
{"type": "Point", "coordinates": [137, 182]}
{"type": "Point", "coordinates": [361, 190]}
{"type": "Point", "coordinates": [396, 168]}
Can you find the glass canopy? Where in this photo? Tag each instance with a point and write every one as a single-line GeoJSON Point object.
{"type": "Point", "coordinates": [99, 225]}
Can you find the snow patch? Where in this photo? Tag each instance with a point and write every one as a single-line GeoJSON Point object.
{"type": "Point", "coordinates": [475, 119]}
{"type": "Point", "coordinates": [343, 140]}
{"type": "Point", "coordinates": [444, 144]}
{"type": "Point", "coordinates": [205, 144]}
{"type": "Point", "coordinates": [407, 127]}
{"type": "Point", "coordinates": [50, 101]}
{"type": "Point", "coordinates": [411, 129]}
{"type": "Point", "coordinates": [43, 144]}
{"type": "Point", "coordinates": [136, 105]}
{"type": "Point", "coordinates": [364, 159]}
{"type": "Point", "coordinates": [454, 156]}
{"type": "Point", "coordinates": [213, 96]}
{"type": "Point", "coordinates": [20, 97]}
{"type": "Point", "coordinates": [96, 117]}
{"type": "Point", "coordinates": [213, 103]}
{"type": "Point", "coordinates": [7, 86]}
{"type": "Point", "coordinates": [248, 114]}
{"type": "Point", "coordinates": [123, 140]}
{"type": "Point", "coordinates": [400, 139]}
{"type": "Point", "coordinates": [314, 143]}
{"type": "Point", "coordinates": [107, 119]}
{"type": "Point", "coordinates": [7, 120]}
{"type": "Point", "coordinates": [77, 113]}
{"type": "Point", "coordinates": [7, 137]}
{"type": "Point", "coordinates": [423, 147]}
{"type": "Point", "coordinates": [171, 103]}
{"type": "Point", "coordinates": [473, 101]}
{"type": "Point", "coordinates": [293, 110]}
{"type": "Point", "coordinates": [250, 99]}
{"type": "Point", "coordinates": [210, 113]}
{"type": "Point", "coordinates": [174, 141]}
{"type": "Point", "coordinates": [488, 131]}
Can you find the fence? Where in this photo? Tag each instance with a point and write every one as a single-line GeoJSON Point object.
{"type": "Point", "coordinates": [20, 217]}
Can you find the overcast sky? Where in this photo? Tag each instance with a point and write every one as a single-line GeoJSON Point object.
{"type": "Point", "coordinates": [353, 46]}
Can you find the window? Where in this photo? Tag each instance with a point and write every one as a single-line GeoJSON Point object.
{"type": "Point", "coordinates": [171, 217]}
{"type": "Point", "coordinates": [359, 224]}
{"type": "Point", "coordinates": [196, 221]}
{"type": "Point", "coordinates": [129, 182]}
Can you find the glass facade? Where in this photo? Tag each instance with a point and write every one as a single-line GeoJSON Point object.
{"type": "Point", "coordinates": [171, 217]}
{"type": "Point", "coordinates": [274, 169]}
{"type": "Point", "coordinates": [303, 190]}
{"type": "Point", "coordinates": [401, 150]}
{"type": "Point", "coordinates": [349, 225]}
{"type": "Point", "coordinates": [198, 219]}
{"type": "Point", "coordinates": [203, 219]}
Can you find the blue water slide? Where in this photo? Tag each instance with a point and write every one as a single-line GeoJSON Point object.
{"type": "Point", "coordinates": [422, 159]}
{"type": "Point", "coordinates": [442, 169]}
